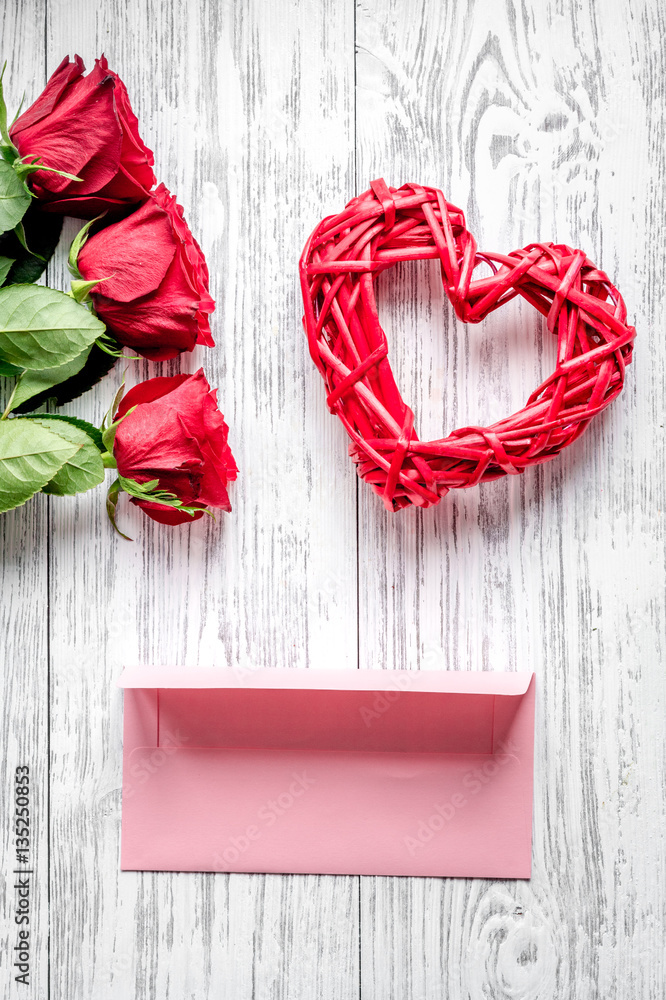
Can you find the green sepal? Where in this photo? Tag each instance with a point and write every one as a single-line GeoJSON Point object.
{"type": "Point", "coordinates": [109, 433]}
{"type": "Point", "coordinates": [81, 288]}
{"type": "Point", "coordinates": [150, 491]}
{"type": "Point", "coordinates": [117, 399]}
{"type": "Point", "coordinates": [4, 132]}
{"type": "Point", "coordinates": [77, 245]}
{"type": "Point", "coordinates": [105, 342]}
{"type": "Point", "coordinates": [23, 168]}
{"type": "Point", "coordinates": [111, 504]}
{"type": "Point", "coordinates": [109, 428]}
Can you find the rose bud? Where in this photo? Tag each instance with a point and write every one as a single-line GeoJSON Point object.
{"type": "Point", "coordinates": [177, 436]}
{"type": "Point", "coordinates": [154, 297]}
{"type": "Point", "coordinates": [85, 126]}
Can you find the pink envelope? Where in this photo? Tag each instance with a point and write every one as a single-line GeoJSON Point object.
{"type": "Point", "coordinates": [363, 772]}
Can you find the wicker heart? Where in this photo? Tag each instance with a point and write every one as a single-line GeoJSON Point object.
{"type": "Point", "coordinates": [338, 267]}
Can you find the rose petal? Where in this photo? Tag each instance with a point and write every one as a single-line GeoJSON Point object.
{"type": "Point", "coordinates": [146, 392]}
{"type": "Point", "coordinates": [65, 74]}
{"type": "Point", "coordinates": [81, 135]}
{"type": "Point", "coordinates": [135, 174]}
{"type": "Point", "coordinates": [133, 254]}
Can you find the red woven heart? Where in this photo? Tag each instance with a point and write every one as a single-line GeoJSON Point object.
{"type": "Point", "coordinates": [338, 267]}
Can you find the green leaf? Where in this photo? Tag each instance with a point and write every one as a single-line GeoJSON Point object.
{"type": "Point", "coordinates": [4, 133]}
{"type": "Point", "coordinates": [97, 365]}
{"type": "Point", "coordinates": [14, 198]}
{"type": "Point", "coordinates": [83, 470]}
{"type": "Point", "coordinates": [42, 231]}
{"type": "Point", "coordinates": [42, 328]}
{"type": "Point", "coordinates": [37, 383]}
{"type": "Point", "coordinates": [92, 431]}
{"type": "Point", "coordinates": [30, 456]}
{"type": "Point", "coordinates": [8, 370]}
{"type": "Point", "coordinates": [5, 267]}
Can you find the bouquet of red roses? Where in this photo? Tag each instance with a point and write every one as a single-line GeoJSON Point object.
{"type": "Point", "coordinates": [139, 281]}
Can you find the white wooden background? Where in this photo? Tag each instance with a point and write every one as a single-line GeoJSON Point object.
{"type": "Point", "coordinates": [543, 119]}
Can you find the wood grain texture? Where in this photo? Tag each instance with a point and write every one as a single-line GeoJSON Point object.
{"type": "Point", "coordinates": [228, 97]}
{"type": "Point", "coordinates": [543, 121]}
{"type": "Point", "coordinates": [24, 672]}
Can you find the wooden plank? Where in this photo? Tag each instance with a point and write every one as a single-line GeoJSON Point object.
{"type": "Point", "coordinates": [248, 109]}
{"type": "Point", "coordinates": [24, 678]}
{"type": "Point", "coordinates": [544, 122]}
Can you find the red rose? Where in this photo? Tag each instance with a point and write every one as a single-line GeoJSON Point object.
{"type": "Point", "coordinates": [177, 435]}
{"type": "Point", "coordinates": [155, 298]}
{"type": "Point", "coordinates": [85, 126]}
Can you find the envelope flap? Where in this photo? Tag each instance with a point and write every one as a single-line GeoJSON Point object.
{"type": "Point", "coordinates": [406, 711]}
{"type": "Point", "coordinates": [501, 683]}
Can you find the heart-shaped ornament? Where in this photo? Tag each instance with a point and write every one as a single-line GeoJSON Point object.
{"type": "Point", "coordinates": [338, 268]}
